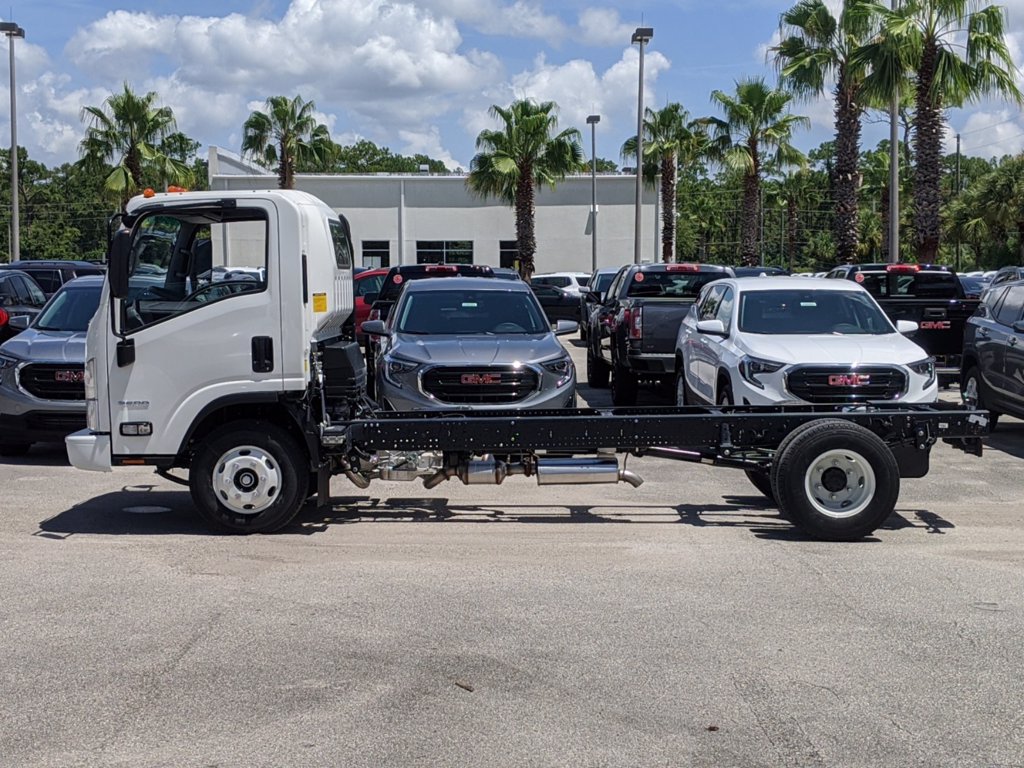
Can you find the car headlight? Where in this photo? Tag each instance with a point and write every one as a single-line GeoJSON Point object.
{"type": "Point", "coordinates": [752, 367]}
{"type": "Point", "coordinates": [7, 365]}
{"type": "Point", "coordinates": [395, 367]}
{"type": "Point", "coordinates": [562, 368]}
{"type": "Point", "coordinates": [925, 368]}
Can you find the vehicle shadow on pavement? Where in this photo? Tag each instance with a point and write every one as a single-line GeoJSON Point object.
{"type": "Point", "coordinates": [1008, 438]}
{"type": "Point", "coordinates": [143, 510]}
{"type": "Point", "coordinates": [137, 510]}
{"type": "Point", "coordinates": [40, 455]}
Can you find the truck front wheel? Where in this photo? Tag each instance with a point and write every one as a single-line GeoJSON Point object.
{"type": "Point", "coordinates": [249, 477]}
{"type": "Point", "coordinates": [836, 480]}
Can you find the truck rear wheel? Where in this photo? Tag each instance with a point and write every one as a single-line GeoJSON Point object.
{"type": "Point", "coordinates": [624, 386]}
{"type": "Point", "coordinates": [249, 477]}
{"type": "Point", "coordinates": [597, 372]}
{"type": "Point", "coordinates": [836, 480]}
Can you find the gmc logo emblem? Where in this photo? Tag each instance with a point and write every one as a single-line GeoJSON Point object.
{"type": "Point", "coordinates": [849, 380]}
{"type": "Point", "coordinates": [70, 377]}
{"type": "Point", "coordinates": [935, 325]}
{"type": "Point", "coordinates": [480, 378]}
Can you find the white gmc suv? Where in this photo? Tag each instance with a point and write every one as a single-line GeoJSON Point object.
{"type": "Point", "coordinates": [777, 340]}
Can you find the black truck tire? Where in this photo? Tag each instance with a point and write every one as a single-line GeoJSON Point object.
{"type": "Point", "coordinates": [836, 480]}
{"type": "Point", "coordinates": [597, 372]}
{"type": "Point", "coordinates": [624, 386]}
{"type": "Point", "coordinates": [973, 393]}
{"type": "Point", "coordinates": [249, 477]}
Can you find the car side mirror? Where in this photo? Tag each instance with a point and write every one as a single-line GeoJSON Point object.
{"type": "Point", "coordinates": [711, 327]}
{"type": "Point", "coordinates": [119, 263]}
{"type": "Point", "coordinates": [906, 326]}
{"type": "Point", "coordinates": [566, 327]}
{"type": "Point", "coordinates": [593, 297]}
{"type": "Point", "coordinates": [375, 328]}
{"type": "Point", "coordinates": [20, 322]}
{"type": "Point", "coordinates": [1018, 327]}
{"type": "Point", "coordinates": [369, 298]}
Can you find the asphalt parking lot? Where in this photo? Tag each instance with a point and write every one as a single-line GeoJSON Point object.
{"type": "Point", "coordinates": [679, 624]}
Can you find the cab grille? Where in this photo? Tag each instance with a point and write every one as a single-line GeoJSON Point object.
{"type": "Point", "coordinates": [53, 381]}
{"type": "Point", "coordinates": [843, 384]}
{"type": "Point", "coordinates": [476, 385]}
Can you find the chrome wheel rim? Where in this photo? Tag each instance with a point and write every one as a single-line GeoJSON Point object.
{"type": "Point", "coordinates": [840, 483]}
{"type": "Point", "coordinates": [246, 479]}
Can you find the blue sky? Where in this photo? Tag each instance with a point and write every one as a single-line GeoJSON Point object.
{"type": "Point", "coordinates": [414, 75]}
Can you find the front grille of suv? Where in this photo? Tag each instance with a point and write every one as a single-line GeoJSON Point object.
{"type": "Point", "coordinates": [53, 381]}
{"type": "Point", "coordinates": [469, 385]}
{"type": "Point", "coordinates": [843, 384]}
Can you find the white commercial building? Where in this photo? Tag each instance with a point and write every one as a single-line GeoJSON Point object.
{"type": "Point", "coordinates": [409, 219]}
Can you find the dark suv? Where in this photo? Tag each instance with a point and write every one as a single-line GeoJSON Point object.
{"type": "Point", "coordinates": [51, 274]}
{"type": "Point", "coordinates": [993, 376]}
{"type": "Point", "coordinates": [19, 297]}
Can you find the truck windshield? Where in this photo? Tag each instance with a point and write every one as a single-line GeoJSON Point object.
{"type": "Point", "coordinates": [464, 313]}
{"type": "Point", "coordinates": [670, 285]}
{"type": "Point", "coordinates": [809, 312]}
{"type": "Point", "coordinates": [71, 310]}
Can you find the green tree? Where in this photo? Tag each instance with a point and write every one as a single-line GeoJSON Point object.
{"type": "Point", "coordinates": [957, 52]}
{"type": "Point", "coordinates": [818, 48]}
{"type": "Point", "coordinates": [522, 156]}
{"type": "Point", "coordinates": [671, 140]}
{"type": "Point", "coordinates": [756, 132]}
{"type": "Point", "coordinates": [285, 136]}
{"type": "Point", "coordinates": [126, 131]}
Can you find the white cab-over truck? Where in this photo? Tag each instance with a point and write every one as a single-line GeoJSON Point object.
{"type": "Point", "coordinates": [254, 385]}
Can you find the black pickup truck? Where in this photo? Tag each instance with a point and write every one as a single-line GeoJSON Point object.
{"type": "Point", "coordinates": [929, 294]}
{"type": "Point", "coordinates": [631, 335]}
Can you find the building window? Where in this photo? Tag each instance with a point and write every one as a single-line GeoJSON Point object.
{"type": "Point", "coordinates": [376, 254]}
{"type": "Point", "coordinates": [508, 254]}
{"type": "Point", "coordinates": [444, 251]}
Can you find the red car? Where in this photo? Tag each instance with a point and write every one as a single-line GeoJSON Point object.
{"type": "Point", "coordinates": [366, 284]}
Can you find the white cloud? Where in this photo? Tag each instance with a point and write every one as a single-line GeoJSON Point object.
{"type": "Point", "coordinates": [428, 143]}
{"type": "Point", "coordinates": [602, 26]}
{"type": "Point", "coordinates": [991, 134]}
{"type": "Point", "coordinates": [492, 17]}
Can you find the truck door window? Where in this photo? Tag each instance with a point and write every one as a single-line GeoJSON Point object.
{"type": "Point", "coordinates": [1009, 312]}
{"type": "Point", "coordinates": [189, 260]}
{"type": "Point", "coordinates": [342, 245]}
{"type": "Point", "coordinates": [709, 307]}
{"type": "Point", "coordinates": [725, 307]}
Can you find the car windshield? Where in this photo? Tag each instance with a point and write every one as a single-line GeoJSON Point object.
{"type": "Point", "coordinates": [462, 312]}
{"type": "Point", "coordinates": [71, 310]}
{"type": "Point", "coordinates": [806, 312]}
{"type": "Point", "coordinates": [670, 285]}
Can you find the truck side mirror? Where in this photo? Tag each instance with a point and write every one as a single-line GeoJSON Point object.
{"type": "Point", "coordinates": [119, 263]}
{"type": "Point", "coordinates": [375, 328]}
{"type": "Point", "coordinates": [593, 297]}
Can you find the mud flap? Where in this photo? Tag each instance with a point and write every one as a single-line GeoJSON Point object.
{"type": "Point", "coordinates": [913, 462]}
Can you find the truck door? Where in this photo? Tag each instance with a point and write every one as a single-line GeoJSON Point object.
{"type": "Point", "coordinates": [202, 321]}
{"type": "Point", "coordinates": [1010, 381]}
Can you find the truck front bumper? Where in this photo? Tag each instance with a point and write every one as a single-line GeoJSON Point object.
{"type": "Point", "coordinates": [89, 450]}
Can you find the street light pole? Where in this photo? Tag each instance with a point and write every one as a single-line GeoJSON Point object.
{"type": "Point", "coordinates": [894, 174]}
{"type": "Point", "coordinates": [592, 121]}
{"type": "Point", "coordinates": [12, 31]}
{"type": "Point", "coordinates": [642, 35]}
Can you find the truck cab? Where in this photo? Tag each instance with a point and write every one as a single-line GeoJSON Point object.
{"type": "Point", "coordinates": [191, 352]}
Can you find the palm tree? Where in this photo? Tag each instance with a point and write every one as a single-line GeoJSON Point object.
{"type": "Point", "coordinates": [284, 136]}
{"type": "Point", "coordinates": [671, 141]}
{"type": "Point", "coordinates": [520, 157]}
{"type": "Point", "coordinates": [126, 131]}
{"type": "Point", "coordinates": [818, 48]}
{"type": "Point", "coordinates": [958, 51]}
{"type": "Point", "coordinates": [756, 132]}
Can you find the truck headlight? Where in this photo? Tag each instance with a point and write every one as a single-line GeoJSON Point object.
{"type": "Point", "coordinates": [7, 365]}
{"type": "Point", "coordinates": [562, 368]}
{"type": "Point", "coordinates": [925, 368]}
{"type": "Point", "coordinates": [396, 367]}
{"type": "Point", "coordinates": [89, 379]}
{"type": "Point", "coordinates": [752, 367]}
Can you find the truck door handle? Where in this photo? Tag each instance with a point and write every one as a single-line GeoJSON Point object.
{"type": "Point", "coordinates": [1013, 341]}
{"type": "Point", "coordinates": [262, 354]}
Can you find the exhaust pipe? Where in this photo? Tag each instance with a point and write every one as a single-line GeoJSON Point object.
{"type": "Point", "coordinates": [583, 472]}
